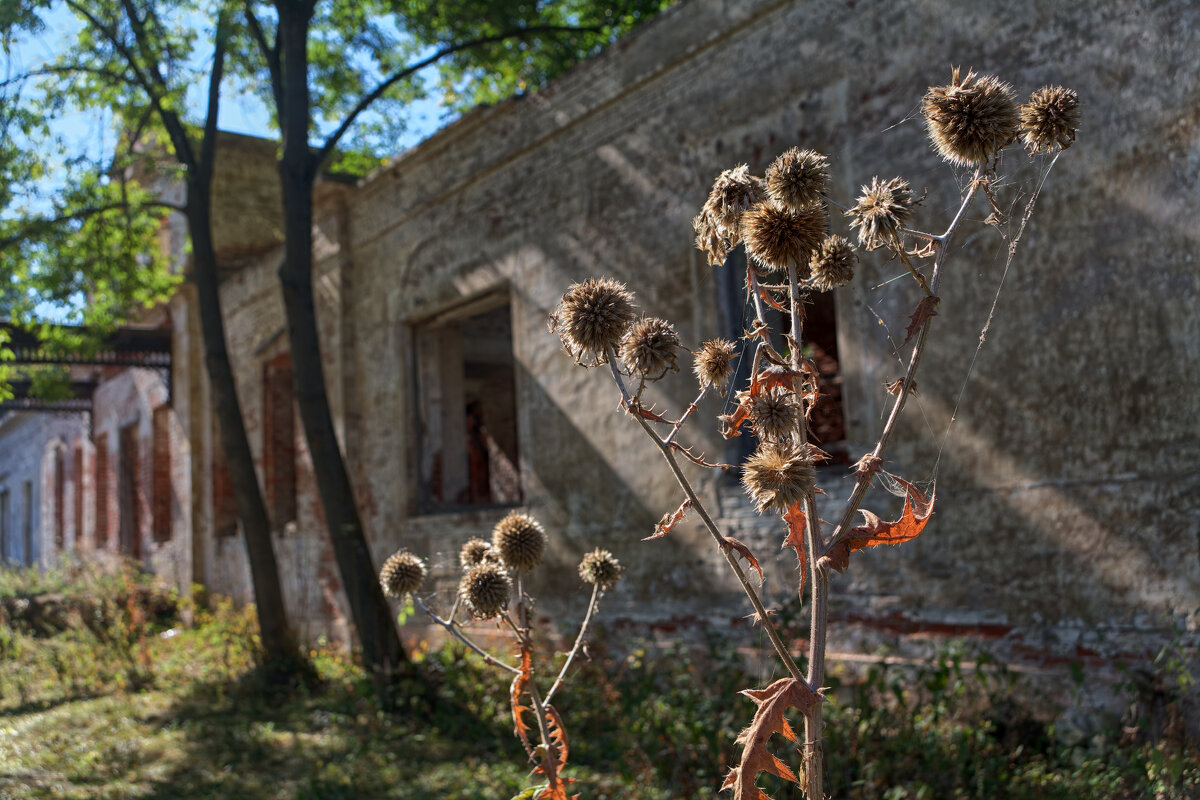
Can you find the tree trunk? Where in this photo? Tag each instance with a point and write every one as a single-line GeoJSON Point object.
{"type": "Point", "coordinates": [381, 647]}
{"type": "Point", "coordinates": [278, 641]}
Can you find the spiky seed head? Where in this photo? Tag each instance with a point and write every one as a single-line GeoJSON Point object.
{"type": "Point", "coordinates": [485, 589]}
{"type": "Point", "coordinates": [778, 475]}
{"type": "Point", "coordinates": [710, 241]}
{"type": "Point", "coordinates": [734, 191]}
{"type": "Point", "coordinates": [592, 317]}
{"type": "Point", "coordinates": [600, 568]}
{"type": "Point", "coordinates": [774, 414]}
{"type": "Point", "coordinates": [401, 573]}
{"type": "Point", "coordinates": [833, 263]}
{"type": "Point", "coordinates": [649, 347]}
{"type": "Point", "coordinates": [798, 178]}
{"type": "Point", "coordinates": [473, 552]}
{"type": "Point", "coordinates": [714, 363]}
{"type": "Point", "coordinates": [971, 119]}
{"type": "Point", "coordinates": [777, 237]}
{"type": "Point", "coordinates": [882, 210]}
{"type": "Point", "coordinates": [520, 541]}
{"type": "Point", "coordinates": [1049, 120]}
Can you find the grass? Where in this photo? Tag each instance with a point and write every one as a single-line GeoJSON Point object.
{"type": "Point", "coordinates": [140, 706]}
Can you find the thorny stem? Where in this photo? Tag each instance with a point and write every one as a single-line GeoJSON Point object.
{"type": "Point", "coordinates": [814, 545]}
{"type": "Point", "coordinates": [539, 706]}
{"type": "Point", "coordinates": [453, 630]}
{"type": "Point", "coordinates": [686, 414]}
{"type": "Point", "coordinates": [685, 484]}
{"type": "Point", "coordinates": [578, 643]}
{"type": "Point", "coordinates": [942, 244]}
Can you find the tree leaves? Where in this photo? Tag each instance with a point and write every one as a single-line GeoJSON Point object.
{"type": "Point", "coordinates": [917, 510]}
{"type": "Point", "coordinates": [773, 702]}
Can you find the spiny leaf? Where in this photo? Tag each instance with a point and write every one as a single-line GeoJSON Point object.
{"type": "Point", "coordinates": [796, 522]}
{"type": "Point", "coordinates": [772, 703]}
{"type": "Point", "coordinates": [744, 552]}
{"type": "Point", "coordinates": [520, 729]}
{"type": "Point", "coordinates": [669, 521]}
{"type": "Point", "coordinates": [925, 309]}
{"type": "Point", "coordinates": [556, 758]}
{"type": "Point", "coordinates": [917, 510]}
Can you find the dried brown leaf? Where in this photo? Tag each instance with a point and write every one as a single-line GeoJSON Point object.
{"type": "Point", "coordinates": [770, 719]}
{"type": "Point", "coordinates": [797, 522]}
{"type": "Point", "coordinates": [925, 309]}
{"type": "Point", "coordinates": [518, 688]}
{"type": "Point", "coordinates": [669, 521]}
{"type": "Point", "coordinates": [917, 510]}
{"type": "Point", "coordinates": [744, 552]}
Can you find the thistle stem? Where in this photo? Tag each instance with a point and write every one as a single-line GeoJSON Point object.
{"type": "Point", "coordinates": [562, 674]}
{"type": "Point", "coordinates": [452, 628]}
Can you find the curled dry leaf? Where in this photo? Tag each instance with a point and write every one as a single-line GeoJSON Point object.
{"type": "Point", "coordinates": [556, 758]}
{"type": "Point", "coordinates": [744, 552]}
{"type": "Point", "coordinates": [875, 531]}
{"type": "Point", "coordinates": [796, 523]}
{"type": "Point", "coordinates": [770, 719]}
{"type": "Point", "coordinates": [669, 521]}
{"type": "Point", "coordinates": [925, 309]}
{"type": "Point", "coordinates": [518, 688]}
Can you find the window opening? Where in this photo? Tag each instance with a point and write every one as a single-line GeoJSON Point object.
{"type": "Point", "coordinates": [103, 490]}
{"type": "Point", "coordinates": [279, 440]}
{"type": "Point", "coordinates": [466, 408]}
{"type": "Point", "coordinates": [77, 472]}
{"type": "Point", "coordinates": [225, 519]}
{"type": "Point", "coordinates": [129, 540]}
{"type": "Point", "coordinates": [161, 475]}
{"type": "Point", "coordinates": [27, 519]}
{"type": "Point", "coordinates": [4, 545]}
{"type": "Point", "coordinates": [60, 487]}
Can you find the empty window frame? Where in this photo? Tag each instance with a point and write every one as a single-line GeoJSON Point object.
{"type": "Point", "coordinates": [104, 490]}
{"type": "Point", "coordinates": [279, 440]}
{"type": "Point", "coordinates": [466, 408]}
{"type": "Point", "coordinates": [27, 521]}
{"type": "Point", "coordinates": [5, 545]}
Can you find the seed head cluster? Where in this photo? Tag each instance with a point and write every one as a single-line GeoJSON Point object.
{"type": "Point", "coordinates": [833, 263]}
{"type": "Point", "coordinates": [519, 540]}
{"type": "Point", "coordinates": [882, 210]}
{"type": "Point", "coordinates": [714, 362]}
{"type": "Point", "coordinates": [778, 475]}
{"type": "Point", "coordinates": [774, 414]}
{"type": "Point", "coordinates": [592, 317]}
{"type": "Point", "coordinates": [798, 178]}
{"type": "Point", "coordinates": [600, 568]}
{"type": "Point", "coordinates": [473, 552]}
{"type": "Point", "coordinates": [485, 589]}
{"type": "Point", "coordinates": [1049, 120]}
{"type": "Point", "coordinates": [401, 573]}
{"type": "Point", "coordinates": [971, 119]}
{"type": "Point", "coordinates": [649, 347]}
{"type": "Point", "coordinates": [777, 237]}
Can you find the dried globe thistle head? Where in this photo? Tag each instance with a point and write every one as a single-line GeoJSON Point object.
{"type": "Point", "coordinates": [971, 119]}
{"type": "Point", "coordinates": [1049, 120]}
{"type": "Point", "coordinates": [600, 568]}
{"type": "Point", "coordinates": [520, 540]}
{"type": "Point", "coordinates": [592, 317]}
{"type": "Point", "coordinates": [734, 191]}
{"type": "Point", "coordinates": [882, 210]}
{"type": "Point", "coordinates": [833, 263]}
{"type": "Point", "coordinates": [774, 414]}
{"type": "Point", "coordinates": [473, 552]}
{"type": "Point", "coordinates": [714, 363]}
{"type": "Point", "coordinates": [401, 573]}
{"type": "Point", "coordinates": [718, 225]}
{"type": "Point", "coordinates": [777, 237]}
{"type": "Point", "coordinates": [798, 178]}
{"type": "Point", "coordinates": [778, 475]}
{"type": "Point", "coordinates": [649, 347]}
{"type": "Point", "coordinates": [485, 589]}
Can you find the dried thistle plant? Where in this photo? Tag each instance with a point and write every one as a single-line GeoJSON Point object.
{"type": "Point", "coordinates": [782, 222]}
{"type": "Point", "coordinates": [491, 588]}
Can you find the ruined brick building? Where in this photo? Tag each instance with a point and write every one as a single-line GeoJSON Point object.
{"type": "Point", "coordinates": [1067, 488]}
